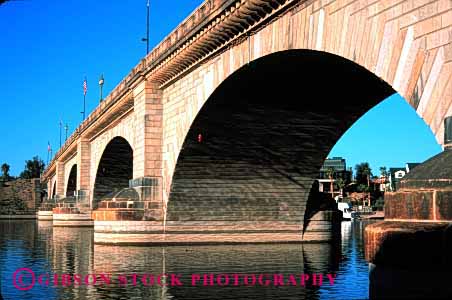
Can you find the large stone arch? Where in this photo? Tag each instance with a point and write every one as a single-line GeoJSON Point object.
{"type": "Point", "coordinates": [406, 44]}
{"type": "Point", "coordinates": [265, 132]}
{"type": "Point", "coordinates": [115, 168]}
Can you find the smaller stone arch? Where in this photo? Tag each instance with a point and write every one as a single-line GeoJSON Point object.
{"type": "Point", "coordinates": [115, 168]}
{"type": "Point", "coordinates": [71, 185]}
{"type": "Point", "coordinates": [53, 190]}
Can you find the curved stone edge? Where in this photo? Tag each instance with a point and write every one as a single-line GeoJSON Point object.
{"type": "Point", "coordinates": [323, 226]}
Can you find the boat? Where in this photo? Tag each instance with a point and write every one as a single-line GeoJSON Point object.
{"type": "Point", "coordinates": [345, 208]}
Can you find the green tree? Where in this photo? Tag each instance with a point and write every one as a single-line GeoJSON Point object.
{"type": "Point", "coordinates": [361, 188]}
{"type": "Point", "coordinates": [341, 185]}
{"type": "Point", "coordinates": [330, 174]}
{"type": "Point", "coordinates": [384, 177]}
{"type": "Point", "coordinates": [33, 168]}
{"type": "Point", "coordinates": [5, 171]}
{"type": "Point", "coordinates": [384, 172]}
{"type": "Point", "coordinates": [363, 174]}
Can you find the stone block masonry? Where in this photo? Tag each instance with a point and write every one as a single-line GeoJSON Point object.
{"type": "Point", "coordinates": [269, 88]}
{"type": "Point", "coordinates": [21, 196]}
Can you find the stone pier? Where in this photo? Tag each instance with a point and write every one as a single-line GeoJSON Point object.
{"type": "Point", "coordinates": [410, 252]}
{"type": "Point", "coordinates": [70, 212]}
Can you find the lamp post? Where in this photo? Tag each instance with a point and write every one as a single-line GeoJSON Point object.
{"type": "Point", "coordinates": [101, 85]}
{"type": "Point", "coordinates": [85, 89]}
{"type": "Point", "coordinates": [146, 39]}
{"type": "Point", "coordinates": [61, 127]}
{"type": "Point", "coordinates": [66, 128]}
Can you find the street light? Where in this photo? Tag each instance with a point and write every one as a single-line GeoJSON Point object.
{"type": "Point", "coordinates": [146, 39]}
{"type": "Point", "coordinates": [66, 127]}
{"type": "Point", "coordinates": [101, 84]}
{"type": "Point", "coordinates": [61, 126]}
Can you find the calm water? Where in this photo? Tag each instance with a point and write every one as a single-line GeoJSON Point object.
{"type": "Point", "coordinates": [44, 249]}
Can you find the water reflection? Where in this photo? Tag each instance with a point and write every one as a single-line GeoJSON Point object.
{"type": "Point", "coordinates": [232, 259]}
{"type": "Point", "coordinates": [353, 275]}
{"type": "Point", "coordinates": [60, 250]}
{"type": "Point", "coordinates": [73, 254]}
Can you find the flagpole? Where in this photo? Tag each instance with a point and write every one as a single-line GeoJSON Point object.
{"type": "Point", "coordinates": [147, 29]}
{"type": "Point", "coordinates": [61, 125]}
{"type": "Point", "coordinates": [85, 88]}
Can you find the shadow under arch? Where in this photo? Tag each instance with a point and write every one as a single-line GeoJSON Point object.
{"type": "Point", "coordinates": [256, 146]}
{"type": "Point", "coordinates": [115, 169]}
{"type": "Point", "coordinates": [54, 190]}
{"type": "Point", "coordinates": [72, 182]}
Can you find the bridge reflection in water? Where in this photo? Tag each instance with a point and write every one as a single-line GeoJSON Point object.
{"type": "Point", "coordinates": [66, 250]}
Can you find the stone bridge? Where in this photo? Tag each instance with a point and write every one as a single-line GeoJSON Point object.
{"type": "Point", "coordinates": [220, 131]}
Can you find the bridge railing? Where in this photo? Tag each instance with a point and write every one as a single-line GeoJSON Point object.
{"type": "Point", "coordinates": [48, 203]}
{"type": "Point", "coordinates": [208, 15]}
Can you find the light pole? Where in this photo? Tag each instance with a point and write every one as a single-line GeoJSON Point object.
{"type": "Point", "coordinates": [66, 128]}
{"type": "Point", "coordinates": [85, 89]}
{"type": "Point", "coordinates": [146, 39]}
{"type": "Point", "coordinates": [61, 127]}
{"type": "Point", "coordinates": [101, 85]}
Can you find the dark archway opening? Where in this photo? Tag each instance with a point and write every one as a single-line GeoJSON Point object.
{"type": "Point", "coordinates": [72, 182]}
{"type": "Point", "coordinates": [266, 131]}
{"type": "Point", "coordinates": [115, 168]}
{"type": "Point", "coordinates": [54, 190]}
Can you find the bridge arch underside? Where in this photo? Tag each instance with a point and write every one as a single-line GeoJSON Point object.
{"type": "Point", "coordinates": [265, 133]}
{"type": "Point", "coordinates": [115, 169]}
{"type": "Point", "coordinates": [72, 182]}
{"type": "Point", "coordinates": [54, 190]}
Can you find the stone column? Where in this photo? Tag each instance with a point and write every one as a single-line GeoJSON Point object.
{"type": "Point", "coordinates": [60, 179]}
{"type": "Point", "coordinates": [83, 172]}
{"type": "Point", "coordinates": [49, 188]}
{"type": "Point", "coordinates": [147, 156]}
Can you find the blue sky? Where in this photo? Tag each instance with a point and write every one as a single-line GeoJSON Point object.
{"type": "Point", "coordinates": [390, 134]}
{"type": "Point", "coordinates": [47, 47]}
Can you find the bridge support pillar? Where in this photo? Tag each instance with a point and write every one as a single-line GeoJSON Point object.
{"type": "Point", "coordinates": [60, 179]}
{"type": "Point", "coordinates": [83, 164]}
{"type": "Point", "coordinates": [410, 252]}
{"type": "Point", "coordinates": [149, 190]}
{"type": "Point", "coordinates": [409, 259]}
{"type": "Point", "coordinates": [147, 172]}
{"type": "Point", "coordinates": [139, 215]}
